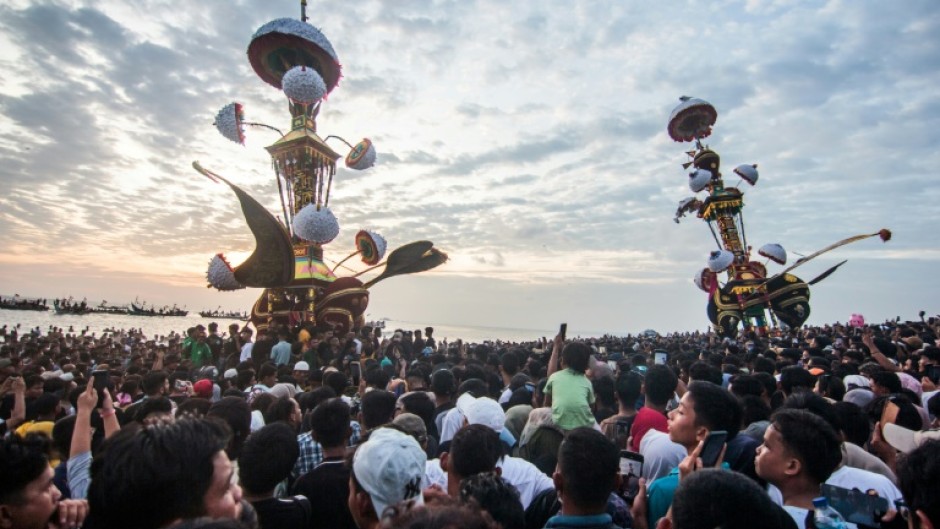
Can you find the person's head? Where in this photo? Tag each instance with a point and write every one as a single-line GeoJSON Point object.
{"type": "Point", "coordinates": [267, 458]}
{"type": "Point", "coordinates": [148, 477]}
{"type": "Point", "coordinates": [713, 497]}
{"type": "Point", "coordinates": [704, 408]}
{"type": "Point", "coordinates": [853, 423]}
{"type": "Point", "coordinates": [885, 383]}
{"type": "Point", "coordinates": [496, 496]}
{"type": "Point", "coordinates": [799, 448]}
{"type": "Point", "coordinates": [336, 380]}
{"type": "Point", "coordinates": [444, 514]}
{"type": "Point", "coordinates": [475, 448]}
{"type": "Point", "coordinates": [267, 374]}
{"type": "Point", "coordinates": [155, 383]}
{"type": "Point", "coordinates": [234, 412]}
{"type": "Point", "coordinates": [796, 379]}
{"type": "Point", "coordinates": [659, 385]}
{"type": "Point", "coordinates": [576, 356]}
{"type": "Point", "coordinates": [378, 408]}
{"type": "Point", "coordinates": [330, 423]}
{"type": "Point", "coordinates": [587, 472]}
{"type": "Point", "coordinates": [387, 471]}
{"type": "Point", "coordinates": [705, 372]}
{"type": "Point", "coordinates": [286, 410]}
{"type": "Point", "coordinates": [154, 410]}
{"type": "Point", "coordinates": [919, 481]}
{"type": "Point", "coordinates": [443, 383]}
{"type": "Point", "coordinates": [28, 497]}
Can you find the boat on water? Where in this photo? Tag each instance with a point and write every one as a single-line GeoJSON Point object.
{"type": "Point", "coordinates": [224, 315]}
{"type": "Point", "coordinates": [142, 310]}
{"type": "Point", "coordinates": [20, 303]}
{"type": "Point", "coordinates": [77, 309]}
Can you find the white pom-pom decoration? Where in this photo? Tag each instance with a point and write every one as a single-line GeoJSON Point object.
{"type": "Point", "coordinates": [774, 252]}
{"type": "Point", "coordinates": [720, 260]}
{"type": "Point", "coordinates": [303, 85]}
{"type": "Point", "coordinates": [704, 280]}
{"type": "Point", "coordinates": [699, 180]}
{"type": "Point", "coordinates": [221, 275]}
{"type": "Point", "coordinates": [362, 155]}
{"type": "Point", "coordinates": [229, 122]}
{"type": "Point", "coordinates": [747, 172]}
{"type": "Point", "coordinates": [319, 226]}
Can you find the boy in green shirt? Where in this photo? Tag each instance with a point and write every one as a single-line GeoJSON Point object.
{"type": "Point", "coordinates": [568, 391]}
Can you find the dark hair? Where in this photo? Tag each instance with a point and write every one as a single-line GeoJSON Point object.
{"type": "Point", "coordinates": [475, 386]}
{"type": "Point", "coordinates": [375, 377]}
{"type": "Point", "coordinates": [153, 405]}
{"type": "Point", "coordinates": [496, 496]}
{"type": "Point", "coordinates": [815, 404]}
{"type": "Point", "coordinates": [378, 407]}
{"type": "Point", "coordinates": [234, 411]}
{"type": "Point", "coordinates": [604, 391]}
{"type": "Point", "coordinates": [153, 382]}
{"type": "Point", "coordinates": [260, 401]}
{"type": "Point", "coordinates": [754, 409]}
{"type": "Point", "coordinates": [148, 477]}
{"type": "Point", "coordinates": [267, 458]}
{"type": "Point", "coordinates": [443, 382]}
{"type": "Point", "coordinates": [280, 410]}
{"type": "Point", "coordinates": [919, 479]}
{"type": "Point", "coordinates": [742, 385]}
{"type": "Point", "coordinates": [705, 371]}
{"type": "Point", "coordinates": [763, 364]}
{"type": "Point", "coordinates": [337, 381]}
{"type": "Point", "coordinates": [811, 439]}
{"type": "Point", "coordinates": [713, 497]}
{"type": "Point", "coordinates": [577, 356]}
{"type": "Point", "coordinates": [313, 398]}
{"type": "Point", "coordinates": [509, 362]}
{"type": "Point", "coordinates": [715, 408]}
{"type": "Point", "coordinates": [475, 448]}
{"type": "Point", "coordinates": [888, 380]}
{"type": "Point", "coordinates": [795, 378]}
{"type": "Point", "coordinates": [330, 422]}
{"type": "Point", "coordinates": [852, 422]}
{"type": "Point", "coordinates": [21, 462]}
{"type": "Point", "coordinates": [589, 463]}
{"type": "Point", "coordinates": [193, 407]}
{"type": "Point", "coordinates": [441, 515]}
{"type": "Point", "coordinates": [420, 404]}
{"type": "Point", "coordinates": [660, 383]}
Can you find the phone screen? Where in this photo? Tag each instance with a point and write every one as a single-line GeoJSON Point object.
{"type": "Point", "coordinates": [631, 468]}
{"type": "Point", "coordinates": [612, 364]}
{"type": "Point", "coordinates": [712, 449]}
{"type": "Point", "coordinates": [856, 506]}
{"type": "Point", "coordinates": [563, 330]}
{"type": "Point", "coordinates": [659, 358]}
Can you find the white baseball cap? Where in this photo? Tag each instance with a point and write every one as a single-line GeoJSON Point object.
{"type": "Point", "coordinates": [487, 412]}
{"type": "Point", "coordinates": [390, 467]}
{"type": "Point", "coordinates": [230, 373]}
{"type": "Point", "coordinates": [301, 366]}
{"type": "Point", "coordinates": [905, 440]}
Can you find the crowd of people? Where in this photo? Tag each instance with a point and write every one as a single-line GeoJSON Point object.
{"type": "Point", "coordinates": [310, 428]}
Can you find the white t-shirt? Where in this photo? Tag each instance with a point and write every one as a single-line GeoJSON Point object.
{"type": "Point", "coordinates": [660, 455]}
{"type": "Point", "coordinates": [863, 480]}
{"type": "Point", "coordinates": [246, 352]}
{"type": "Point", "coordinates": [524, 476]}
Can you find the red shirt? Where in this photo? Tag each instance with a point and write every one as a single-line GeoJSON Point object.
{"type": "Point", "coordinates": [646, 419]}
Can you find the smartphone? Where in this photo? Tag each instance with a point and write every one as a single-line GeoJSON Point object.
{"type": "Point", "coordinates": [631, 468]}
{"type": "Point", "coordinates": [563, 330]}
{"type": "Point", "coordinates": [612, 364]}
{"type": "Point", "coordinates": [659, 357]}
{"type": "Point", "coordinates": [101, 380]}
{"type": "Point", "coordinates": [356, 372]}
{"type": "Point", "coordinates": [712, 448]}
{"type": "Point", "coordinates": [856, 506]}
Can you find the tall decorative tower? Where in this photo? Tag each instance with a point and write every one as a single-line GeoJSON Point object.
{"type": "Point", "coordinates": [288, 262]}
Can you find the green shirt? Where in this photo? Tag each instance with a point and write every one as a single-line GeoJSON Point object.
{"type": "Point", "coordinates": [200, 354]}
{"type": "Point", "coordinates": [572, 396]}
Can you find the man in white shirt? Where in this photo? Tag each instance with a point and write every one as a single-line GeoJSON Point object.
{"type": "Point", "coordinates": [245, 355]}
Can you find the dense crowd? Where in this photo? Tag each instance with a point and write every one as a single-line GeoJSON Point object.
{"type": "Point", "coordinates": [309, 428]}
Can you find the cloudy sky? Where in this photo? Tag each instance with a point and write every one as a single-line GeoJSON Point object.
{"type": "Point", "coordinates": [526, 139]}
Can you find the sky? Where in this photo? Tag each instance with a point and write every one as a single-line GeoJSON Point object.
{"type": "Point", "coordinates": [526, 139]}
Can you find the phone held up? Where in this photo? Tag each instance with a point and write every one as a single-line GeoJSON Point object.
{"type": "Point", "coordinates": [711, 450]}
{"type": "Point", "coordinates": [631, 468]}
{"type": "Point", "coordinates": [563, 331]}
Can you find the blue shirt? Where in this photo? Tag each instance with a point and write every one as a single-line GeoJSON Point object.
{"type": "Point", "coordinates": [280, 353]}
{"type": "Point", "coordinates": [599, 521]}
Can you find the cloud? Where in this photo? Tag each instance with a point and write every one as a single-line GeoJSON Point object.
{"type": "Point", "coordinates": [526, 139]}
